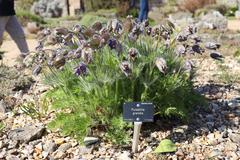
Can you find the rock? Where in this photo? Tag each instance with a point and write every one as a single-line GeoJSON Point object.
{"type": "Point", "coordinates": [214, 153]}
{"type": "Point", "coordinates": [3, 153]}
{"type": "Point", "coordinates": [26, 134]}
{"type": "Point", "coordinates": [59, 141]}
{"type": "Point", "coordinates": [237, 14]}
{"type": "Point", "coordinates": [230, 146]}
{"type": "Point", "coordinates": [85, 150]}
{"type": "Point", "coordinates": [12, 144]}
{"type": "Point", "coordinates": [50, 147]}
{"type": "Point", "coordinates": [45, 8]}
{"type": "Point", "coordinates": [235, 138]}
{"type": "Point", "coordinates": [39, 148]}
{"type": "Point", "coordinates": [28, 150]}
{"type": "Point", "coordinates": [90, 140]}
{"type": "Point", "coordinates": [180, 153]}
{"type": "Point", "coordinates": [182, 19]}
{"type": "Point", "coordinates": [59, 155]}
{"type": "Point", "coordinates": [12, 157]}
{"type": "Point", "coordinates": [209, 118]}
{"type": "Point", "coordinates": [1, 144]}
{"type": "Point", "coordinates": [228, 3]}
{"type": "Point", "coordinates": [45, 154]}
{"type": "Point", "coordinates": [124, 156]}
{"type": "Point", "coordinates": [34, 143]}
{"type": "Point", "coordinates": [234, 103]}
{"type": "Point", "coordinates": [13, 152]}
{"type": "Point", "coordinates": [3, 107]}
{"type": "Point", "coordinates": [210, 125]}
{"type": "Point", "coordinates": [213, 20]}
{"type": "Point", "coordinates": [32, 27]}
{"type": "Point", "coordinates": [64, 147]}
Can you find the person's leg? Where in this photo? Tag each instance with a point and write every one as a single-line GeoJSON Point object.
{"type": "Point", "coordinates": [141, 12]}
{"type": "Point", "coordinates": [132, 3]}
{"type": "Point", "coordinates": [146, 9]}
{"type": "Point", "coordinates": [3, 22]}
{"type": "Point", "coordinates": [15, 30]}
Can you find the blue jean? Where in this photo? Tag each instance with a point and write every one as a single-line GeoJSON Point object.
{"type": "Point", "coordinates": [13, 27]}
{"type": "Point", "coordinates": [144, 8]}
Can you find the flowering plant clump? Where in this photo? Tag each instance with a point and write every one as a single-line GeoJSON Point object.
{"type": "Point", "coordinates": [95, 69]}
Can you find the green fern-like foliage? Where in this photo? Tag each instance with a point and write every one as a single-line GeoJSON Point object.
{"type": "Point", "coordinates": [97, 98]}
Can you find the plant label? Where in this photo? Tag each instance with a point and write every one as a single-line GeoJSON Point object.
{"type": "Point", "coordinates": [138, 112]}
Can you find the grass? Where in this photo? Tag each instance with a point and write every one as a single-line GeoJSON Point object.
{"type": "Point", "coordinates": [25, 16]}
{"type": "Point", "coordinates": [226, 76]}
{"type": "Point", "coordinates": [2, 126]}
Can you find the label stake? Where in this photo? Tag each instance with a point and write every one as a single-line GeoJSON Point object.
{"type": "Point", "coordinates": [137, 128]}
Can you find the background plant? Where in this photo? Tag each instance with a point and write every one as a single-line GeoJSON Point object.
{"type": "Point", "coordinates": [193, 5]}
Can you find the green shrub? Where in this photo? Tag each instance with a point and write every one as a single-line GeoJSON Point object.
{"type": "Point", "coordinates": [89, 18]}
{"type": "Point", "coordinates": [96, 99]}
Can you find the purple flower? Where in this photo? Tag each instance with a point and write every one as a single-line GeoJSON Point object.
{"type": "Point", "coordinates": [81, 69]}
{"type": "Point", "coordinates": [112, 43]}
{"type": "Point", "coordinates": [161, 65]}
{"type": "Point", "coordinates": [188, 66]}
{"type": "Point", "coordinates": [133, 53]}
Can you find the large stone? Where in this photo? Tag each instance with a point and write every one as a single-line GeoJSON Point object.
{"type": "Point", "coordinates": [64, 147]}
{"type": "Point", "coordinates": [213, 20]}
{"type": "Point", "coordinates": [182, 19]}
{"type": "Point", "coordinates": [90, 140]}
{"type": "Point", "coordinates": [50, 147]}
{"type": "Point", "coordinates": [53, 8]}
{"type": "Point", "coordinates": [228, 3]}
{"type": "Point", "coordinates": [26, 134]}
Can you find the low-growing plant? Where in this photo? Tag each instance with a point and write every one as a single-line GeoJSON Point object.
{"type": "Point", "coordinates": [2, 126]}
{"type": "Point", "coordinates": [29, 109]}
{"type": "Point", "coordinates": [226, 76]}
{"type": "Point", "coordinates": [96, 69]}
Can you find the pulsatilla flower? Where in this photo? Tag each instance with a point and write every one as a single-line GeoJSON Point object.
{"type": "Point", "coordinates": [97, 26]}
{"type": "Point", "coordinates": [81, 69]}
{"type": "Point", "coordinates": [112, 43]}
{"type": "Point", "coordinates": [61, 31]}
{"type": "Point", "coordinates": [126, 68]}
{"type": "Point", "coordinates": [59, 62]}
{"type": "Point", "coordinates": [133, 53]}
{"type": "Point", "coordinates": [77, 28]}
{"type": "Point", "coordinates": [87, 55]}
{"type": "Point", "coordinates": [188, 66]}
{"type": "Point", "coordinates": [180, 50]}
{"type": "Point", "coordinates": [161, 65]}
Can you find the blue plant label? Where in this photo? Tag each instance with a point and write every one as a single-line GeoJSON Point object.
{"type": "Point", "coordinates": [138, 112]}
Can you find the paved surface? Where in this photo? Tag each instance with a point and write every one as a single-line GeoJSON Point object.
{"type": "Point", "coordinates": [234, 25]}
{"type": "Point", "coordinates": [12, 52]}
